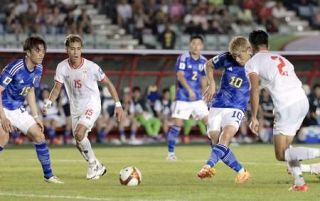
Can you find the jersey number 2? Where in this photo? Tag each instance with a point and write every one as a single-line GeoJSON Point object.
{"type": "Point", "coordinates": [280, 65]}
{"type": "Point", "coordinates": [194, 75]}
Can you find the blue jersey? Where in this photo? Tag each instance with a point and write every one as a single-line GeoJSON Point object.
{"type": "Point", "coordinates": [234, 86]}
{"type": "Point", "coordinates": [17, 81]}
{"type": "Point", "coordinates": [193, 72]}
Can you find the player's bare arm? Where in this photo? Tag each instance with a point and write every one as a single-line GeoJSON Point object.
{"type": "Point", "coordinates": [254, 102]}
{"type": "Point", "coordinates": [6, 124]}
{"type": "Point", "coordinates": [55, 91]}
{"type": "Point", "coordinates": [208, 94]}
{"type": "Point", "coordinates": [183, 81]}
{"type": "Point", "coordinates": [118, 109]}
{"type": "Point", "coordinates": [31, 99]}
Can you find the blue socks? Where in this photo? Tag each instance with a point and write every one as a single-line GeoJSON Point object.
{"type": "Point", "coordinates": [224, 153]}
{"type": "Point", "coordinates": [171, 137]}
{"type": "Point", "coordinates": [44, 158]}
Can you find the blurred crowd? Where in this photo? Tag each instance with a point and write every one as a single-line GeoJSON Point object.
{"type": "Point", "coordinates": [163, 18]}
{"type": "Point", "coordinates": [148, 119]}
{"type": "Point", "coordinates": [43, 17]}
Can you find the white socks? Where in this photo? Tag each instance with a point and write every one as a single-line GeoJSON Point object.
{"type": "Point", "coordinates": [86, 150]}
{"type": "Point", "coordinates": [301, 153]}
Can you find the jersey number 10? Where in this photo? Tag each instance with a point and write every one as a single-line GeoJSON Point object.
{"type": "Point", "coordinates": [236, 81]}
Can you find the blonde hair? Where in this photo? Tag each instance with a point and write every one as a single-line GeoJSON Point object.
{"type": "Point", "coordinates": [71, 38]}
{"type": "Point", "coordinates": [239, 43]}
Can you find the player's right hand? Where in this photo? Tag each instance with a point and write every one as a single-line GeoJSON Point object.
{"type": "Point", "coordinates": [46, 106]}
{"type": "Point", "coordinates": [6, 125]}
{"type": "Point", "coordinates": [209, 92]}
{"type": "Point", "coordinates": [192, 95]}
{"type": "Point", "coordinates": [254, 126]}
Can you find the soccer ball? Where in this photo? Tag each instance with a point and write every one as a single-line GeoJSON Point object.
{"type": "Point", "coordinates": [130, 176]}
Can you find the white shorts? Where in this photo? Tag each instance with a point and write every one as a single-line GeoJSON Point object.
{"type": "Point", "coordinates": [289, 119]}
{"type": "Point", "coordinates": [183, 110]}
{"type": "Point", "coordinates": [221, 117]}
{"type": "Point", "coordinates": [20, 119]}
{"type": "Point", "coordinates": [87, 118]}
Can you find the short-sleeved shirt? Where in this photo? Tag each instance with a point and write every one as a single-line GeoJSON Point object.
{"type": "Point", "coordinates": [193, 72]}
{"type": "Point", "coordinates": [17, 80]}
{"type": "Point", "coordinates": [278, 76]}
{"type": "Point", "coordinates": [234, 86]}
{"type": "Point", "coordinates": [80, 84]}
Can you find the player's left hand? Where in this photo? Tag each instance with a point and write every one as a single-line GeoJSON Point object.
{"type": "Point", "coordinates": [118, 111]}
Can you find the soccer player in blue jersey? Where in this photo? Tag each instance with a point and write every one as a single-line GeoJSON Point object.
{"type": "Point", "coordinates": [17, 83]}
{"type": "Point", "coordinates": [191, 82]}
{"type": "Point", "coordinates": [227, 109]}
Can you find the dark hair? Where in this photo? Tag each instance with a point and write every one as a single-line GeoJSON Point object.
{"type": "Point", "coordinates": [196, 37]}
{"type": "Point", "coordinates": [136, 88]}
{"type": "Point", "coordinates": [33, 42]}
{"type": "Point", "coordinates": [165, 90]}
{"type": "Point", "coordinates": [71, 38]}
{"type": "Point", "coordinates": [258, 37]}
{"type": "Point", "coordinates": [315, 86]}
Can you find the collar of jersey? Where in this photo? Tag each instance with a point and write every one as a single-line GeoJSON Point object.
{"type": "Point", "coordinates": [77, 67]}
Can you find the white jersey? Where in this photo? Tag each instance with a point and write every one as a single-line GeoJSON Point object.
{"type": "Point", "coordinates": [278, 76]}
{"type": "Point", "coordinates": [80, 84]}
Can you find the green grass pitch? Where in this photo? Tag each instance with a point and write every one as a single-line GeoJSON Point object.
{"type": "Point", "coordinates": [21, 177]}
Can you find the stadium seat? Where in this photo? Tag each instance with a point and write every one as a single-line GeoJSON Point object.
{"type": "Point", "coordinates": [211, 42]}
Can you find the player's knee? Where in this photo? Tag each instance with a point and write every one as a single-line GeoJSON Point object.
{"type": "Point", "coordinates": [38, 137]}
{"type": "Point", "coordinates": [280, 156]}
{"type": "Point", "coordinates": [78, 136]}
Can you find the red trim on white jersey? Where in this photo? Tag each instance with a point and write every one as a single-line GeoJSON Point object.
{"type": "Point", "coordinates": [76, 67]}
{"type": "Point", "coordinates": [58, 82]}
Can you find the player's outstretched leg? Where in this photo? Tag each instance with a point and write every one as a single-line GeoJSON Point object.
{"type": "Point", "coordinates": [206, 172]}
{"type": "Point", "coordinates": [171, 141]}
{"type": "Point", "coordinates": [293, 155]}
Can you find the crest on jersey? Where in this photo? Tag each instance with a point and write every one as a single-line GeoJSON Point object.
{"type": "Point", "coordinates": [182, 66]}
{"type": "Point", "coordinates": [200, 67]}
{"type": "Point", "coordinates": [36, 80]}
{"type": "Point", "coordinates": [7, 80]}
{"type": "Point", "coordinates": [229, 68]}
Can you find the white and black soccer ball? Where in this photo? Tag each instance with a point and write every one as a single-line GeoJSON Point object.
{"type": "Point", "coordinates": [130, 176]}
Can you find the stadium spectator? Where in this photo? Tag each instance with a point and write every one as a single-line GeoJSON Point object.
{"type": "Point", "coordinates": [64, 104]}
{"type": "Point", "coordinates": [163, 108]}
{"type": "Point", "coordinates": [314, 101]}
{"type": "Point", "coordinates": [167, 38]}
{"type": "Point", "coordinates": [143, 114]}
{"type": "Point", "coordinates": [124, 11]}
{"type": "Point", "coordinates": [128, 120]}
{"type": "Point", "coordinates": [52, 119]}
{"type": "Point", "coordinates": [84, 25]}
{"type": "Point", "coordinates": [266, 116]}
{"type": "Point", "coordinates": [106, 121]}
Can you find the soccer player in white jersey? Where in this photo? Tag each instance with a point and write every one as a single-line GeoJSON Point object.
{"type": "Point", "coordinates": [277, 74]}
{"type": "Point", "coordinates": [17, 82]}
{"type": "Point", "coordinates": [80, 77]}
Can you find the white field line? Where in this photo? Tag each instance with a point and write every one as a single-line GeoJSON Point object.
{"type": "Point", "coordinates": [164, 161]}
{"type": "Point", "coordinates": [67, 197]}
